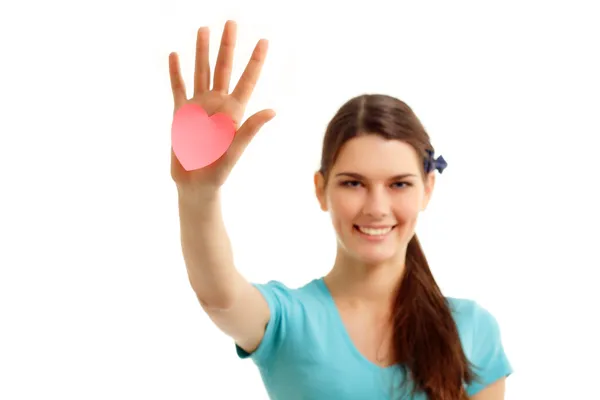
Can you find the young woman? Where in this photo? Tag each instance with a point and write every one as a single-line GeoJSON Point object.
{"type": "Point", "coordinates": [377, 325]}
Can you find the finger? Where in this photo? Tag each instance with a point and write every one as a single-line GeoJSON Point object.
{"type": "Point", "coordinates": [202, 68]}
{"type": "Point", "coordinates": [177, 85]}
{"type": "Point", "coordinates": [247, 131]}
{"type": "Point", "coordinates": [243, 90]}
{"type": "Point", "coordinates": [225, 58]}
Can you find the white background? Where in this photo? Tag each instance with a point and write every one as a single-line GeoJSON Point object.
{"type": "Point", "coordinates": [94, 297]}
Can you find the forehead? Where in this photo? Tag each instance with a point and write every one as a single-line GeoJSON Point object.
{"type": "Point", "coordinates": [374, 156]}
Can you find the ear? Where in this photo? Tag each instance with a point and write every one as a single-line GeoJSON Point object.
{"type": "Point", "coordinates": [429, 186]}
{"type": "Point", "coordinates": [319, 181]}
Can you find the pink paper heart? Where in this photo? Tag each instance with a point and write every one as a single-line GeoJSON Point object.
{"type": "Point", "coordinates": [199, 140]}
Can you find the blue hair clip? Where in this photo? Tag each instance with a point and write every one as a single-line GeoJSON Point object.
{"type": "Point", "coordinates": [431, 163]}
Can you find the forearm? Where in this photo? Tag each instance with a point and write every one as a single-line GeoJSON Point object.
{"type": "Point", "coordinates": [206, 248]}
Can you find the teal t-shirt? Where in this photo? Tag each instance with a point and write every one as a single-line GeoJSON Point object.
{"type": "Point", "coordinates": [306, 352]}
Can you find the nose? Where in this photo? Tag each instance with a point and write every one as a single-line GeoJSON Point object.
{"type": "Point", "coordinates": [377, 203]}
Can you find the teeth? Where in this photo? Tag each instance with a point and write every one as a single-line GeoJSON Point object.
{"type": "Point", "coordinates": [374, 232]}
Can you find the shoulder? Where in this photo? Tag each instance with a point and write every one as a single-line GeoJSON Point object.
{"type": "Point", "coordinates": [472, 316]}
{"type": "Point", "coordinates": [469, 311]}
{"type": "Point", "coordinates": [481, 337]}
{"type": "Point", "coordinates": [277, 291]}
{"type": "Point", "coordinates": [292, 311]}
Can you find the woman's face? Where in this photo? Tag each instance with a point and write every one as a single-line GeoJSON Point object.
{"type": "Point", "coordinates": [374, 195]}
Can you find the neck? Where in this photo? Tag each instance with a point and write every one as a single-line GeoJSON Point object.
{"type": "Point", "coordinates": [359, 284]}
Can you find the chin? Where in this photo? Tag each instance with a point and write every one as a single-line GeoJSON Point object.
{"type": "Point", "coordinates": [376, 254]}
{"type": "Point", "coordinates": [376, 259]}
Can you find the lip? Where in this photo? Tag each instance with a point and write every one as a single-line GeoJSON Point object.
{"type": "Point", "coordinates": [376, 226]}
{"type": "Point", "coordinates": [369, 238]}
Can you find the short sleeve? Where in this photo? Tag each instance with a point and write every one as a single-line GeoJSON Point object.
{"type": "Point", "coordinates": [488, 357]}
{"type": "Point", "coordinates": [279, 299]}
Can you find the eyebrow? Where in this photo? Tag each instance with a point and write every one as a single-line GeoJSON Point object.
{"type": "Point", "coordinates": [360, 177]}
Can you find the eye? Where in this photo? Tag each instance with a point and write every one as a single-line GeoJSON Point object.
{"type": "Point", "coordinates": [405, 184]}
{"type": "Point", "coordinates": [350, 183]}
{"type": "Point", "coordinates": [398, 185]}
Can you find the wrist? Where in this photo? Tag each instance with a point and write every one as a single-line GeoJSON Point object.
{"type": "Point", "coordinates": [197, 196]}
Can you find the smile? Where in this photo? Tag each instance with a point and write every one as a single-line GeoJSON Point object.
{"type": "Point", "coordinates": [376, 234]}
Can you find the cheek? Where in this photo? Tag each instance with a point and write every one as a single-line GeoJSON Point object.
{"type": "Point", "coordinates": [343, 209]}
{"type": "Point", "coordinates": [407, 210]}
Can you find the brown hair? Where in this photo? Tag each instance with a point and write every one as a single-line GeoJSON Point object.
{"type": "Point", "coordinates": [426, 342]}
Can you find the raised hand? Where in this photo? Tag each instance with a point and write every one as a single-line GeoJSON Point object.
{"type": "Point", "coordinates": [219, 100]}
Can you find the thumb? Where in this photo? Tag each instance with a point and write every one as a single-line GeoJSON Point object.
{"type": "Point", "coordinates": [248, 130]}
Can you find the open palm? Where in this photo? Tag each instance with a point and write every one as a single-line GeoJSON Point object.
{"type": "Point", "coordinates": [219, 100]}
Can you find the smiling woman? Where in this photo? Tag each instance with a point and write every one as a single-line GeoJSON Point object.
{"type": "Point", "coordinates": [377, 326]}
{"type": "Point", "coordinates": [379, 142]}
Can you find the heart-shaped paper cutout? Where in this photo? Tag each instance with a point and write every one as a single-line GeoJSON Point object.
{"type": "Point", "coordinates": [199, 140]}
